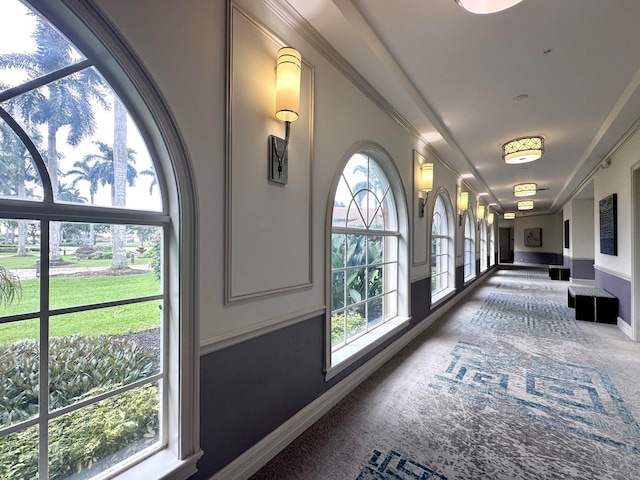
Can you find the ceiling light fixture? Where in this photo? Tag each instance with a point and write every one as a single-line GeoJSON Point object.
{"type": "Point", "coordinates": [486, 6]}
{"type": "Point", "coordinates": [509, 215]}
{"type": "Point", "coordinates": [525, 205]}
{"type": "Point", "coordinates": [525, 189]}
{"type": "Point", "coordinates": [523, 150]}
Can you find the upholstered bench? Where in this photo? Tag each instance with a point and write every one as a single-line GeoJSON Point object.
{"type": "Point", "coordinates": [558, 272]}
{"type": "Point", "coordinates": [593, 304]}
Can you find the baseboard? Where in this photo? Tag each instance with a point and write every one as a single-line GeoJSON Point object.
{"type": "Point", "coordinates": [625, 327]}
{"type": "Point", "coordinates": [257, 456]}
{"type": "Point", "coordinates": [583, 281]}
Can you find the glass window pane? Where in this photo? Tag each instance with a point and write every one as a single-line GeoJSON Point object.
{"type": "Point", "coordinates": [337, 290]}
{"type": "Point", "coordinates": [19, 454]}
{"type": "Point", "coordinates": [356, 285]}
{"type": "Point", "coordinates": [90, 440]}
{"type": "Point", "coordinates": [19, 371]}
{"type": "Point", "coordinates": [338, 328]}
{"type": "Point", "coordinates": [338, 243]}
{"type": "Point", "coordinates": [102, 263]}
{"type": "Point", "coordinates": [375, 249]}
{"type": "Point", "coordinates": [374, 312]}
{"type": "Point", "coordinates": [356, 321]}
{"type": "Point", "coordinates": [24, 33]}
{"type": "Point", "coordinates": [19, 267]}
{"type": "Point", "coordinates": [390, 305]}
{"type": "Point", "coordinates": [19, 177]}
{"type": "Point", "coordinates": [356, 250]}
{"type": "Point", "coordinates": [375, 281]}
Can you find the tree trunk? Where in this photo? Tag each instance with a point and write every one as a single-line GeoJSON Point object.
{"type": "Point", "coordinates": [118, 232]}
{"type": "Point", "coordinates": [52, 166]}
{"type": "Point", "coordinates": [22, 224]}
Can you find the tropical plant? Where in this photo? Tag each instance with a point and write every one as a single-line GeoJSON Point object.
{"type": "Point", "coordinates": [10, 287]}
{"type": "Point", "coordinates": [65, 103]}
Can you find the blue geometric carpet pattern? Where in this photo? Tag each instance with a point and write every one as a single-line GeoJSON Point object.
{"type": "Point", "coordinates": [578, 399]}
{"type": "Point", "coordinates": [527, 315]}
{"type": "Point", "coordinates": [506, 385]}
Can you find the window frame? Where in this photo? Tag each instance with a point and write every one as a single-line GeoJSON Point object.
{"type": "Point", "coordinates": [469, 246]}
{"type": "Point", "coordinates": [336, 362]}
{"type": "Point", "coordinates": [483, 247]}
{"type": "Point", "coordinates": [442, 294]}
{"type": "Point", "coordinates": [90, 30]}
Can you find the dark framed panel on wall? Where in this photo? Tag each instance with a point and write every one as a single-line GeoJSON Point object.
{"type": "Point", "coordinates": [532, 237]}
{"type": "Point", "coordinates": [566, 234]}
{"type": "Point", "coordinates": [609, 225]}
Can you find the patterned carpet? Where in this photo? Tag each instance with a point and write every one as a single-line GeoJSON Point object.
{"type": "Point", "coordinates": [507, 385]}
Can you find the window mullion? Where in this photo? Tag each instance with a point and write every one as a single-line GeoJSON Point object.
{"type": "Point", "coordinates": [43, 394]}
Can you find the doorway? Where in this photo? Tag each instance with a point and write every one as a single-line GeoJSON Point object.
{"type": "Point", "coordinates": [506, 245]}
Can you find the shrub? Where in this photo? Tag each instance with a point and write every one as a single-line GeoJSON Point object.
{"type": "Point", "coordinates": [80, 439]}
{"type": "Point", "coordinates": [78, 364]}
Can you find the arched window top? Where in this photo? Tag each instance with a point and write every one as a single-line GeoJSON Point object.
{"type": "Point", "coordinates": [441, 212]}
{"type": "Point", "coordinates": [65, 135]}
{"type": "Point", "coordinates": [364, 199]}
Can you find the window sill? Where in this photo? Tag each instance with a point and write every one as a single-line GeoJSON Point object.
{"type": "Point", "coordinates": [348, 354]}
{"type": "Point", "coordinates": [442, 297]}
{"type": "Point", "coordinates": [162, 465]}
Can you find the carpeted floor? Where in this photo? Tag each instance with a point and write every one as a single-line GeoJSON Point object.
{"type": "Point", "coordinates": [506, 385]}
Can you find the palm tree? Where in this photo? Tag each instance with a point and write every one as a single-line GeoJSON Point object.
{"type": "Point", "coordinates": [66, 102]}
{"type": "Point", "coordinates": [85, 171]}
{"type": "Point", "coordinates": [10, 287]}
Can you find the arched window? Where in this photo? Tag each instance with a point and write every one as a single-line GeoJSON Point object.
{"type": "Point", "coordinates": [367, 246]}
{"type": "Point", "coordinates": [469, 247]}
{"type": "Point", "coordinates": [90, 293]}
{"type": "Point", "coordinates": [492, 246]}
{"type": "Point", "coordinates": [483, 246]}
{"type": "Point", "coordinates": [442, 258]}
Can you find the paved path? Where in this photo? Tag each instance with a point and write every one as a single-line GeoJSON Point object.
{"type": "Point", "coordinates": [26, 273]}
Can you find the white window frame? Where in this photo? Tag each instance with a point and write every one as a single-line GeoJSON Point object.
{"type": "Point", "coordinates": [483, 246]}
{"type": "Point", "coordinates": [445, 264]}
{"type": "Point", "coordinates": [492, 245]}
{"type": "Point", "coordinates": [469, 246]}
{"type": "Point", "coordinates": [87, 27]}
{"type": "Point", "coordinates": [337, 361]}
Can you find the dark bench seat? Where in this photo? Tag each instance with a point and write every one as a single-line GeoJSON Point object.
{"type": "Point", "coordinates": [593, 304]}
{"type": "Point", "coordinates": [559, 272]}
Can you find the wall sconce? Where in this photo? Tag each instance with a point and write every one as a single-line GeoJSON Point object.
{"type": "Point", "coordinates": [523, 150]}
{"type": "Point", "coordinates": [509, 215]}
{"type": "Point", "coordinates": [486, 6]}
{"type": "Point", "coordinates": [525, 189]}
{"type": "Point", "coordinates": [525, 205]}
{"type": "Point", "coordinates": [480, 214]}
{"type": "Point", "coordinates": [426, 185]}
{"type": "Point", "coordinates": [490, 218]}
{"type": "Point", "coordinates": [463, 204]}
{"type": "Point", "coordinates": [288, 72]}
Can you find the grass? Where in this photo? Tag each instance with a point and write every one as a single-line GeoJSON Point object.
{"type": "Point", "coordinates": [75, 291]}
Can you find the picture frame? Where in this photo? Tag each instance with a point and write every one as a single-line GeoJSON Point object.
{"type": "Point", "coordinates": [532, 237]}
{"type": "Point", "coordinates": [609, 225]}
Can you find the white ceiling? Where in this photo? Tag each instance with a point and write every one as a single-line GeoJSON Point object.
{"type": "Point", "coordinates": [454, 76]}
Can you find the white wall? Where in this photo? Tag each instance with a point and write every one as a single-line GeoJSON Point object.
{"type": "Point", "coordinates": [617, 179]}
{"type": "Point", "coordinates": [582, 236]}
{"type": "Point", "coordinates": [551, 226]}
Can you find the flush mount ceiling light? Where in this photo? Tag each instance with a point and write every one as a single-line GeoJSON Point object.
{"type": "Point", "coordinates": [486, 6]}
{"type": "Point", "coordinates": [523, 150]}
{"type": "Point", "coordinates": [525, 189]}
{"type": "Point", "coordinates": [525, 205]}
{"type": "Point", "coordinates": [509, 215]}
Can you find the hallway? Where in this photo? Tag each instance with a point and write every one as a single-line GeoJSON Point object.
{"type": "Point", "coordinates": [506, 385]}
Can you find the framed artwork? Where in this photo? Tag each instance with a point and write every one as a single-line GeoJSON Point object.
{"type": "Point", "coordinates": [566, 234]}
{"type": "Point", "coordinates": [532, 237]}
{"type": "Point", "coordinates": [609, 225]}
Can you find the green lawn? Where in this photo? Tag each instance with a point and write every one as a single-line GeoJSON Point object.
{"type": "Point", "coordinates": [75, 291]}
{"type": "Point", "coordinates": [13, 262]}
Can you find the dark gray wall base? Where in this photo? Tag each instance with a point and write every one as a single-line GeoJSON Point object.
{"type": "Point", "coordinates": [541, 258]}
{"type": "Point", "coordinates": [582, 268]}
{"type": "Point", "coordinates": [619, 287]}
{"type": "Point", "coordinates": [421, 299]}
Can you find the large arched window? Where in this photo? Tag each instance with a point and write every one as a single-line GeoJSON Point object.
{"type": "Point", "coordinates": [483, 246]}
{"type": "Point", "coordinates": [367, 246]}
{"type": "Point", "coordinates": [492, 245]}
{"type": "Point", "coordinates": [469, 236]}
{"type": "Point", "coordinates": [89, 383]}
{"type": "Point", "coordinates": [442, 257]}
